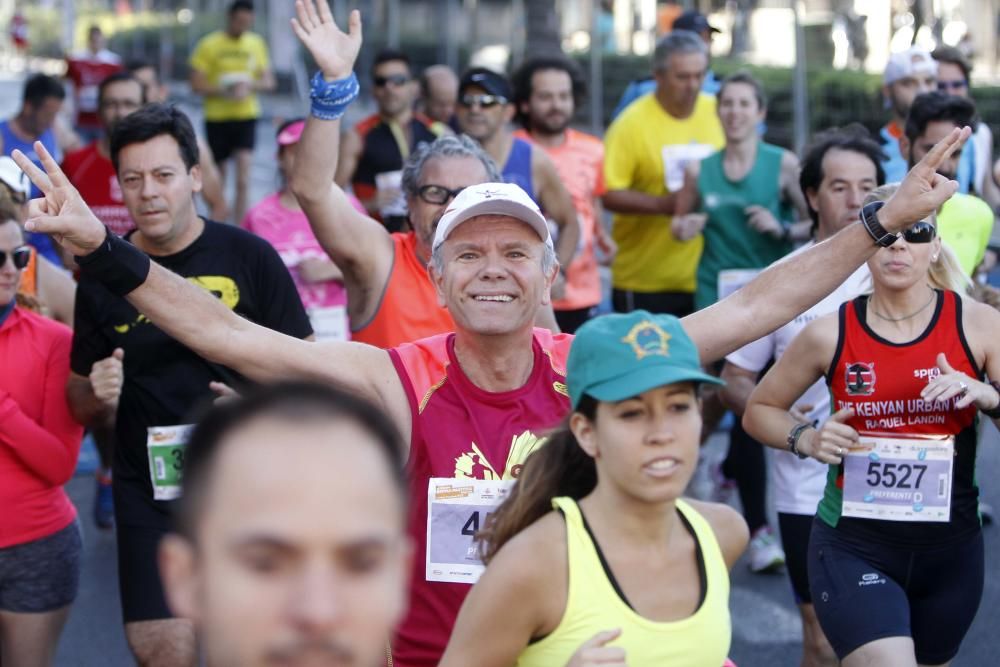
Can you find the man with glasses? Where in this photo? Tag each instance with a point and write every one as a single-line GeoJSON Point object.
{"type": "Point", "coordinates": [373, 152]}
{"type": "Point", "coordinates": [485, 110]}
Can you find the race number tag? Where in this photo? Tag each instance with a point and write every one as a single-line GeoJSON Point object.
{"type": "Point", "coordinates": [731, 280]}
{"type": "Point", "coordinates": [165, 446]}
{"type": "Point", "coordinates": [456, 510]}
{"type": "Point", "coordinates": [675, 160]}
{"type": "Point", "coordinates": [329, 322]}
{"type": "Point", "coordinates": [897, 479]}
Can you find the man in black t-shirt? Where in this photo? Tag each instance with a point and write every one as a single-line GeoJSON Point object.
{"type": "Point", "coordinates": [155, 155]}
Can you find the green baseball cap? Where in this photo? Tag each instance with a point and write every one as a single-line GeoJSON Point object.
{"type": "Point", "coordinates": [618, 356]}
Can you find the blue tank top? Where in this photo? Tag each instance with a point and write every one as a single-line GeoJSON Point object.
{"type": "Point", "coordinates": [518, 167]}
{"type": "Point", "coordinates": [12, 141]}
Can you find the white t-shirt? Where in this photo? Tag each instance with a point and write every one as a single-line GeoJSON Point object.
{"type": "Point", "coordinates": [798, 483]}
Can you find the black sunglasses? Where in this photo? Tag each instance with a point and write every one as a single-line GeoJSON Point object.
{"type": "Point", "coordinates": [394, 79]}
{"type": "Point", "coordinates": [921, 232]}
{"type": "Point", "coordinates": [484, 101]}
{"type": "Point", "coordinates": [21, 257]}
{"type": "Point", "coordinates": [437, 194]}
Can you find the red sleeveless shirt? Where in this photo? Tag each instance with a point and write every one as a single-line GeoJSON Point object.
{"type": "Point", "coordinates": [882, 381]}
{"type": "Point", "coordinates": [462, 431]}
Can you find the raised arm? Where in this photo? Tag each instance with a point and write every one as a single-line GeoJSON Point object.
{"type": "Point", "coordinates": [194, 317]}
{"type": "Point", "coordinates": [790, 287]}
{"type": "Point", "coordinates": [557, 204]}
{"type": "Point", "coordinates": [360, 246]}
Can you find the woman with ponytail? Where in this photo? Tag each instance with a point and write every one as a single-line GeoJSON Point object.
{"type": "Point", "coordinates": [594, 556]}
{"type": "Point", "coordinates": [895, 558]}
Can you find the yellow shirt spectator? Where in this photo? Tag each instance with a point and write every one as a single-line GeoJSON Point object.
{"type": "Point", "coordinates": [226, 61]}
{"type": "Point", "coordinates": [646, 150]}
{"type": "Point", "coordinates": [965, 223]}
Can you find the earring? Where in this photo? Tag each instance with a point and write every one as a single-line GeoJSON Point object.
{"type": "Point", "coordinates": [934, 258]}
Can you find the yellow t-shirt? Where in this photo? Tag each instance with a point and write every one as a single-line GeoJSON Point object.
{"type": "Point", "coordinates": [965, 223]}
{"type": "Point", "coordinates": [593, 605]}
{"type": "Point", "coordinates": [646, 150]}
{"type": "Point", "coordinates": [227, 61]}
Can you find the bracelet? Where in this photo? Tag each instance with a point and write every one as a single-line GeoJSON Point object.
{"type": "Point", "coordinates": [330, 99]}
{"type": "Point", "coordinates": [793, 439]}
{"type": "Point", "coordinates": [116, 264]}
{"type": "Point", "coordinates": [994, 412]}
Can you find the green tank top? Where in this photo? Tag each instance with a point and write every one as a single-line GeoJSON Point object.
{"type": "Point", "coordinates": [593, 604]}
{"type": "Point", "coordinates": [729, 242]}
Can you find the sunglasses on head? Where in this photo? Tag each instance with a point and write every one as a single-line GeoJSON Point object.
{"type": "Point", "coordinates": [20, 256]}
{"type": "Point", "coordinates": [394, 79]}
{"type": "Point", "coordinates": [437, 194]}
{"type": "Point", "coordinates": [945, 86]}
{"type": "Point", "coordinates": [484, 101]}
{"type": "Point", "coordinates": [921, 232]}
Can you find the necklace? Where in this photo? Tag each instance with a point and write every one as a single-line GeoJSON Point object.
{"type": "Point", "coordinates": [919, 310]}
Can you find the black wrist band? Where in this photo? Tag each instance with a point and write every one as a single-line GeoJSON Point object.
{"type": "Point", "coordinates": [874, 228]}
{"type": "Point", "coordinates": [994, 413]}
{"type": "Point", "coordinates": [793, 439]}
{"type": "Point", "coordinates": [116, 264]}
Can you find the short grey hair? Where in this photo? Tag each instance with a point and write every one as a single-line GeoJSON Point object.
{"type": "Point", "coordinates": [548, 258]}
{"type": "Point", "coordinates": [448, 145]}
{"type": "Point", "coordinates": [678, 41]}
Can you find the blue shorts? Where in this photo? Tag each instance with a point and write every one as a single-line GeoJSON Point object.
{"type": "Point", "coordinates": [865, 591]}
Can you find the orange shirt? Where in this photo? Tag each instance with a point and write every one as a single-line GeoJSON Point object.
{"type": "Point", "coordinates": [29, 279]}
{"type": "Point", "coordinates": [580, 163]}
{"type": "Point", "coordinates": [409, 308]}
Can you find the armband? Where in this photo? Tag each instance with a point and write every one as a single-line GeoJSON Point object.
{"type": "Point", "coordinates": [116, 264]}
{"type": "Point", "coordinates": [330, 99]}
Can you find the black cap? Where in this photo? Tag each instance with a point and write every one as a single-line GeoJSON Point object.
{"type": "Point", "coordinates": [492, 82]}
{"type": "Point", "coordinates": [694, 21]}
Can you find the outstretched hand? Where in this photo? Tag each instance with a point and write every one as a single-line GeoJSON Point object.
{"type": "Point", "coordinates": [332, 49]}
{"type": "Point", "coordinates": [60, 211]}
{"type": "Point", "coordinates": [924, 190]}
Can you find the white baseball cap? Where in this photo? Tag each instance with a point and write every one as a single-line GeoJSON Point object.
{"type": "Point", "coordinates": [915, 60]}
{"type": "Point", "coordinates": [491, 199]}
{"type": "Point", "coordinates": [13, 177]}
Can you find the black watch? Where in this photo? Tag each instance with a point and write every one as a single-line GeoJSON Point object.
{"type": "Point", "coordinates": [793, 439]}
{"type": "Point", "coordinates": [874, 227]}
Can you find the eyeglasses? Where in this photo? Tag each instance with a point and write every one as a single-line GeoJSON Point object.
{"type": "Point", "coordinates": [921, 232]}
{"type": "Point", "coordinates": [394, 79]}
{"type": "Point", "coordinates": [21, 257]}
{"type": "Point", "coordinates": [945, 86]}
{"type": "Point", "coordinates": [484, 101]}
{"type": "Point", "coordinates": [437, 194]}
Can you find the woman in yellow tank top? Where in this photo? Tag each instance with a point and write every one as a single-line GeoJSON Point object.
{"type": "Point", "coordinates": [623, 571]}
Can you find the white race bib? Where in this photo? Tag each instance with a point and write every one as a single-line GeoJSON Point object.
{"type": "Point", "coordinates": [676, 158]}
{"type": "Point", "coordinates": [165, 446]}
{"type": "Point", "coordinates": [731, 280]}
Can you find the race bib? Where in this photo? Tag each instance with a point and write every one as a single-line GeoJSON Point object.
{"type": "Point", "coordinates": [391, 182]}
{"type": "Point", "coordinates": [329, 323]}
{"type": "Point", "coordinates": [165, 446]}
{"type": "Point", "coordinates": [456, 510]}
{"type": "Point", "coordinates": [731, 280]}
{"type": "Point", "coordinates": [86, 98]}
{"type": "Point", "coordinates": [676, 158]}
{"type": "Point", "coordinates": [899, 479]}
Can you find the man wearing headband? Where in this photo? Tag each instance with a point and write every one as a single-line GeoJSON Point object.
{"type": "Point", "coordinates": [474, 403]}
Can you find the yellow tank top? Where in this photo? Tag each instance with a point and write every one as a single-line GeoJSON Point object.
{"type": "Point", "coordinates": [593, 605]}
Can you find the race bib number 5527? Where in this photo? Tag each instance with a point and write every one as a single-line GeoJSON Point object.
{"type": "Point", "coordinates": [456, 510]}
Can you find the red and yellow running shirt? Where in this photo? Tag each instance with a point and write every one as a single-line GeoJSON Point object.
{"type": "Point", "coordinates": [408, 309]}
{"type": "Point", "coordinates": [461, 431]}
{"type": "Point", "coordinates": [881, 381]}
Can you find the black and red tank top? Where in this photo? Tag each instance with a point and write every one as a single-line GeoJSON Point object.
{"type": "Point", "coordinates": [881, 381]}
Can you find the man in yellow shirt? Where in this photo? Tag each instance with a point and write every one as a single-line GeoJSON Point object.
{"type": "Point", "coordinates": [646, 150]}
{"type": "Point", "coordinates": [229, 67]}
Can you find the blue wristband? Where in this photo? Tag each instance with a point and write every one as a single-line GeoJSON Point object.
{"type": "Point", "coordinates": [330, 99]}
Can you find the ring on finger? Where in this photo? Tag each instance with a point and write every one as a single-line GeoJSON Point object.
{"type": "Point", "coordinates": [964, 387]}
{"type": "Point", "coordinates": [840, 451]}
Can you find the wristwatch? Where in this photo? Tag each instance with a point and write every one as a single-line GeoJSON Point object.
{"type": "Point", "coordinates": [793, 439]}
{"type": "Point", "coordinates": [874, 227]}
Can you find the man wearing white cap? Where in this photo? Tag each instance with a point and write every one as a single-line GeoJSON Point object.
{"type": "Point", "coordinates": [470, 404]}
{"type": "Point", "coordinates": [907, 74]}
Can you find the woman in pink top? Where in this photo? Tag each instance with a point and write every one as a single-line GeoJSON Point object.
{"type": "Point", "coordinates": [280, 220]}
{"type": "Point", "coordinates": [40, 540]}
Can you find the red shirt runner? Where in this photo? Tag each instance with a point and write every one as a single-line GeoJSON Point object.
{"type": "Point", "coordinates": [94, 176]}
{"type": "Point", "coordinates": [87, 71]}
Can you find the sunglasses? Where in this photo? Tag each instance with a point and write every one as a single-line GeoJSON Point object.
{"type": "Point", "coordinates": [395, 79]}
{"type": "Point", "coordinates": [21, 256]}
{"type": "Point", "coordinates": [921, 232]}
{"type": "Point", "coordinates": [484, 101]}
{"type": "Point", "coordinates": [952, 85]}
{"type": "Point", "coordinates": [437, 194]}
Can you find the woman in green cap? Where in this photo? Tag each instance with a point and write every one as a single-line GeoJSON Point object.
{"type": "Point", "coordinates": [594, 557]}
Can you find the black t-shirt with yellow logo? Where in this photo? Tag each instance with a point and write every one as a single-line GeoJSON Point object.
{"type": "Point", "coordinates": [165, 382]}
